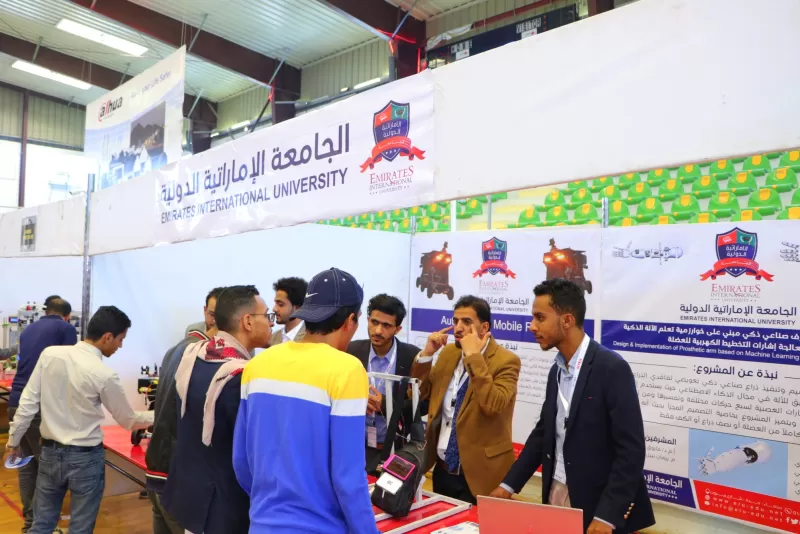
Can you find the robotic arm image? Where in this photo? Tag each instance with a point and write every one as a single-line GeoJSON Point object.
{"type": "Point", "coordinates": [757, 452]}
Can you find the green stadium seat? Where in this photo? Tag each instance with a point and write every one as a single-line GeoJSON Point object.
{"type": "Point", "coordinates": [364, 218]}
{"type": "Point", "coordinates": [783, 179]}
{"type": "Point", "coordinates": [639, 192]}
{"type": "Point", "coordinates": [473, 207]}
{"type": "Point", "coordinates": [555, 197]}
{"type": "Point", "coordinates": [557, 215]}
{"type": "Point", "coordinates": [577, 184]}
{"type": "Point", "coordinates": [685, 207]}
{"type": "Point", "coordinates": [626, 181]}
{"type": "Point", "coordinates": [398, 215]}
{"type": "Point", "coordinates": [416, 211]}
{"type": "Point", "coordinates": [722, 169]}
{"type": "Point", "coordinates": [649, 208]}
{"type": "Point", "coordinates": [742, 184]}
{"type": "Point", "coordinates": [426, 224]}
{"type": "Point", "coordinates": [380, 216]}
{"type": "Point", "coordinates": [705, 187]}
{"type": "Point", "coordinates": [663, 219]}
{"type": "Point", "coordinates": [349, 220]}
{"type": "Point", "coordinates": [387, 226]}
{"type": "Point", "coordinates": [484, 199]}
{"type": "Point", "coordinates": [724, 204]}
{"type": "Point", "coordinates": [670, 190]}
{"type": "Point", "coordinates": [404, 226]}
{"type": "Point", "coordinates": [746, 215]}
{"type": "Point", "coordinates": [689, 173]}
{"type": "Point", "coordinates": [499, 196]}
{"type": "Point", "coordinates": [600, 183]}
{"type": "Point", "coordinates": [435, 211]}
{"type": "Point", "coordinates": [585, 214]}
{"type": "Point", "coordinates": [656, 177]}
{"type": "Point", "coordinates": [611, 192]}
{"type": "Point", "coordinates": [774, 155]}
{"type": "Point", "coordinates": [765, 201]}
{"type": "Point", "coordinates": [626, 221]}
{"type": "Point", "coordinates": [703, 217]}
{"type": "Point", "coordinates": [792, 213]}
{"type": "Point", "coordinates": [617, 210]}
{"type": "Point", "coordinates": [791, 159]}
{"type": "Point", "coordinates": [795, 201]}
{"type": "Point", "coordinates": [369, 225]}
{"type": "Point", "coordinates": [443, 225]}
{"type": "Point", "coordinates": [580, 197]}
{"type": "Point", "coordinates": [529, 217]}
{"type": "Point", "coordinates": [758, 165]}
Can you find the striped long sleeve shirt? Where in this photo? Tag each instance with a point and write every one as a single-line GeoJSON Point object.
{"type": "Point", "coordinates": [299, 441]}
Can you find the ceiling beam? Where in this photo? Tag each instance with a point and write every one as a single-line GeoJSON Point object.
{"type": "Point", "coordinates": [96, 75]}
{"type": "Point", "coordinates": [381, 18]}
{"type": "Point", "coordinates": [212, 48]}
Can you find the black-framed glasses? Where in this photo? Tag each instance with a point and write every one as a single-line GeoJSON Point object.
{"type": "Point", "coordinates": [269, 315]}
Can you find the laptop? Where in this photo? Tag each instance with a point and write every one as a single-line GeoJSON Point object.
{"type": "Point", "coordinates": [503, 516]}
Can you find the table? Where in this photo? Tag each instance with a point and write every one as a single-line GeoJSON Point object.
{"type": "Point", "coordinates": [125, 463]}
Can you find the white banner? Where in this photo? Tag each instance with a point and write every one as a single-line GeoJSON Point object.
{"type": "Point", "coordinates": [370, 152]}
{"type": "Point", "coordinates": [708, 318]}
{"type": "Point", "coordinates": [503, 267]}
{"type": "Point", "coordinates": [138, 127]}
{"type": "Point", "coordinates": [54, 229]}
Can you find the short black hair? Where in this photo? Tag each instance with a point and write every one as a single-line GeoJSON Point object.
{"type": "Point", "coordinates": [389, 305]}
{"type": "Point", "coordinates": [294, 287]}
{"type": "Point", "coordinates": [214, 294]}
{"type": "Point", "coordinates": [107, 320]}
{"type": "Point", "coordinates": [49, 300]}
{"type": "Point", "coordinates": [481, 307]}
{"type": "Point", "coordinates": [565, 297]}
{"type": "Point", "coordinates": [58, 306]}
{"type": "Point", "coordinates": [334, 322]}
{"type": "Point", "coordinates": [230, 302]}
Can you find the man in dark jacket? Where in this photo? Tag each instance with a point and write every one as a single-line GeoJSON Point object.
{"type": "Point", "coordinates": [51, 330]}
{"type": "Point", "coordinates": [165, 434]}
{"type": "Point", "coordinates": [202, 492]}
{"type": "Point", "coordinates": [590, 436]}
{"type": "Point", "coordinates": [384, 353]}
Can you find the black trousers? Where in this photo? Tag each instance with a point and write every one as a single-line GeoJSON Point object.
{"type": "Point", "coordinates": [449, 485]}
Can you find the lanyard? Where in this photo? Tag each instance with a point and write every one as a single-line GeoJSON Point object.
{"type": "Point", "coordinates": [389, 369]}
{"type": "Point", "coordinates": [458, 382]}
{"type": "Point", "coordinates": [566, 403]}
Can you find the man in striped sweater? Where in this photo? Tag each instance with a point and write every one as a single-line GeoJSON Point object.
{"type": "Point", "coordinates": [298, 446]}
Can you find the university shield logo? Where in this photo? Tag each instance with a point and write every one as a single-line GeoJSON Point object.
{"type": "Point", "coordinates": [736, 255]}
{"type": "Point", "coordinates": [390, 127]}
{"type": "Point", "coordinates": [494, 252]}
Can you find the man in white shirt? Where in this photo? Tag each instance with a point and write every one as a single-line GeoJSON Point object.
{"type": "Point", "coordinates": [289, 296]}
{"type": "Point", "coordinates": [70, 386]}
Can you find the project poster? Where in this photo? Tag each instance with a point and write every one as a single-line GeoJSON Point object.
{"type": "Point", "coordinates": [708, 320]}
{"type": "Point", "coordinates": [503, 267]}
{"type": "Point", "coordinates": [367, 153]}
{"type": "Point", "coordinates": [138, 127]}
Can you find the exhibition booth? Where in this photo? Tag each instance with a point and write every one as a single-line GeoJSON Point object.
{"type": "Point", "coordinates": [707, 315]}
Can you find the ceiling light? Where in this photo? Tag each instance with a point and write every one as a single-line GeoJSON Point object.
{"type": "Point", "coordinates": [240, 125]}
{"type": "Point", "coordinates": [367, 83]}
{"type": "Point", "coordinates": [100, 37]}
{"type": "Point", "coordinates": [214, 134]}
{"type": "Point", "coordinates": [47, 73]}
{"type": "Point", "coordinates": [344, 89]}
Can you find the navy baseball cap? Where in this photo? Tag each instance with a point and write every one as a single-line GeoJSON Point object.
{"type": "Point", "coordinates": [327, 292]}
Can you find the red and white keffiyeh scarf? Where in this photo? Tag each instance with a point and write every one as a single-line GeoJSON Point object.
{"type": "Point", "coordinates": [232, 357]}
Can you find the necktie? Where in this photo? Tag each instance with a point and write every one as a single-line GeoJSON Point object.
{"type": "Point", "coordinates": [451, 456]}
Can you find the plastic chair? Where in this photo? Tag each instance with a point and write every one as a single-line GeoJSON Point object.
{"type": "Point", "coordinates": [585, 214]}
{"type": "Point", "coordinates": [792, 213]}
{"type": "Point", "coordinates": [626, 221]}
{"type": "Point", "coordinates": [685, 207]}
{"type": "Point", "coordinates": [703, 217]}
{"type": "Point", "coordinates": [765, 201]}
{"type": "Point", "coordinates": [648, 209]}
{"type": "Point", "coordinates": [639, 192]}
{"type": "Point", "coordinates": [663, 219]}
{"type": "Point", "coordinates": [628, 180]}
{"type": "Point", "coordinates": [529, 217]}
{"type": "Point", "coordinates": [656, 177]}
{"type": "Point", "coordinates": [705, 187]}
{"type": "Point", "coordinates": [600, 183]}
{"type": "Point", "coordinates": [791, 159]}
{"type": "Point", "coordinates": [689, 173]}
{"type": "Point", "coordinates": [617, 210]}
{"type": "Point", "coordinates": [557, 215]}
{"type": "Point", "coordinates": [724, 204]}
{"type": "Point", "coordinates": [783, 179]}
{"type": "Point", "coordinates": [758, 165]}
{"type": "Point", "coordinates": [670, 190]}
{"type": "Point", "coordinates": [743, 184]}
{"type": "Point", "coordinates": [579, 197]}
{"type": "Point", "coordinates": [722, 169]}
{"type": "Point", "coordinates": [746, 215]}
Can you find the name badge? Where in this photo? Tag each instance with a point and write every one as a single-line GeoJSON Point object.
{"type": "Point", "coordinates": [372, 437]}
{"type": "Point", "coordinates": [389, 483]}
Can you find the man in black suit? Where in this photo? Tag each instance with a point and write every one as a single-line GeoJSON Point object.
{"type": "Point", "coordinates": [384, 353]}
{"type": "Point", "coordinates": [590, 436]}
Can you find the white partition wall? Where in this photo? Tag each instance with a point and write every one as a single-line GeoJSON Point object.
{"type": "Point", "coordinates": [163, 289]}
{"type": "Point", "coordinates": [24, 280]}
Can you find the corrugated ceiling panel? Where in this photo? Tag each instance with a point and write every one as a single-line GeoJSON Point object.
{"type": "Point", "coordinates": [483, 10]}
{"type": "Point", "coordinates": [329, 76]}
{"type": "Point", "coordinates": [55, 122]}
{"type": "Point", "coordinates": [34, 20]}
{"type": "Point", "coordinates": [425, 9]}
{"type": "Point", "coordinates": [243, 107]}
{"type": "Point", "coordinates": [300, 31]}
{"type": "Point", "coordinates": [43, 85]}
{"type": "Point", "coordinates": [10, 112]}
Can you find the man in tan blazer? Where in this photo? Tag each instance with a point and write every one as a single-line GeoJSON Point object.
{"type": "Point", "coordinates": [474, 383]}
{"type": "Point", "coordinates": [290, 293]}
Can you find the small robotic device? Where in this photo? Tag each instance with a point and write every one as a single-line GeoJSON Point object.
{"type": "Point", "coordinates": [752, 453]}
{"type": "Point", "coordinates": [435, 275]}
{"type": "Point", "coordinates": [568, 264]}
{"type": "Point", "coordinates": [148, 384]}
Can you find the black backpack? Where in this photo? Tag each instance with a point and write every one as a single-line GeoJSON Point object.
{"type": "Point", "coordinates": [399, 504]}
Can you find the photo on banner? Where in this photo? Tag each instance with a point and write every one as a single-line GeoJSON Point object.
{"type": "Point", "coordinates": [138, 127]}
{"type": "Point", "coordinates": [709, 322]}
{"type": "Point", "coordinates": [503, 267]}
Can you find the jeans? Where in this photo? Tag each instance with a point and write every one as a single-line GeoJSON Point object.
{"type": "Point", "coordinates": [77, 469]}
{"type": "Point", "coordinates": [163, 523]}
{"type": "Point", "coordinates": [28, 446]}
